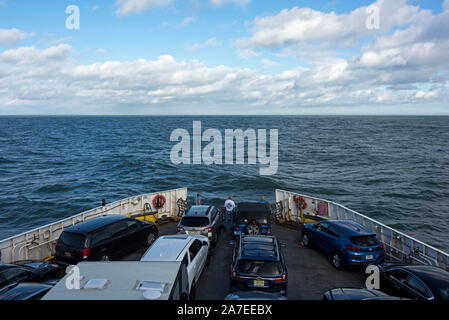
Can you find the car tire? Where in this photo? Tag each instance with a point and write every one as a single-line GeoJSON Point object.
{"type": "Point", "coordinates": [305, 240]}
{"type": "Point", "coordinates": [151, 237]}
{"type": "Point", "coordinates": [337, 260]}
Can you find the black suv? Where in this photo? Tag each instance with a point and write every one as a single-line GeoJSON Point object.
{"type": "Point", "coordinates": [103, 238]}
{"type": "Point", "coordinates": [252, 218]}
{"type": "Point", "coordinates": [258, 264]}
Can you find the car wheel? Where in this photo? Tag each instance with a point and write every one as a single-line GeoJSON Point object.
{"type": "Point", "coordinates": [192, 291]}
{"type": "Point", "coordinates": [150, 238]}
{"type": "Point", "coordinates": [105, 257]}
{"type": "Point", "coordinates": [252, 229]}
{"type": "Point", "coordinates": [337, 261]}
{"type": "Point", "coordinates": [305, 240]}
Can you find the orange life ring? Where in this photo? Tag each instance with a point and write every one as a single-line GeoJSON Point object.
{"type": "Point", "coordinates": [159, 201]}
{"type": "Point", "coordinates": [301, 205]}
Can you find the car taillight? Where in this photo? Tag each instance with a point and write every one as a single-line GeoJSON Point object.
{"type": "Point", "coordinates": [234, 275]}
{"type": "Point", "coordinates": [179, 229]}
{"type": "Point", "coordinates": [353, 248]}
{"type": "Point", "coordinates": [209, 229]}
{"type": "Point", "coordinates": [86, 253]}
{"type": "Point", "coordinates": [269, 230]}
{"type": "Point", "coordinates": [237, 228]}
{"type": "Point", "coordinates": [381, 246]}
{"type": "Point", "coordinates": [281, 278]}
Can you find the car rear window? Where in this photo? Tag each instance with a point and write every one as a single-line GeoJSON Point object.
{"type": "Point", "coordinates": [260, 268]}
{"type": "Point", "coordinates": [365, 241]}
{"type": "Point", "coordinates": [74, 240]}
{"type": "Point", "coordinates": [195, 221]}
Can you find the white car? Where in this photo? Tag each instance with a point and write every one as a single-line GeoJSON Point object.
{"type": "Point", "coordinates": [193, 250]}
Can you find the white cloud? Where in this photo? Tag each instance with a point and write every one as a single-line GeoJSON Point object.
{"type": "Point", "coordinates": [101, 51]}
{"type": "Point", "coordinates": [11, 36]}
{"type": "Point", "coordinates": [187, 21]}
{"type": "Point", "coordinates": [211, 42]}
{"type": "Point", "coordinates": [31, 55]}
{"type": "Point", "coordinates": [247, 53]}
{"type": "Point", "coordinates": [305, 24]}
{"type": "Point", "coordinates": [223, 2]}
{"type": "Point", "coordinates": [269, 63]}
{"type": "Point", "coordinates": [135, 6]}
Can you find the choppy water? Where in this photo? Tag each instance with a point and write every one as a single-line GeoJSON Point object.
{"type": "Point", "coordinates": [394, 169]}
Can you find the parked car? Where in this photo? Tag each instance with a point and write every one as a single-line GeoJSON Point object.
{"type": "Point", "coordinates": [11, 274]}
{"type": "Point", "coordinates": [255, 295]}
{"type": "Point", "coordinates": [346, 242]}
{"type": "Point", "coordinates": [420, 282]}
{"type": "Point", "coordinates": [252, 218]}
{"type": "Point", "coordinates": [125, 280]}
{"type": "Point", "coordinates": [25, 291]}
{"type": "Point", "coordinates": [202, 220]}
{"type": "Point", "coordinates": [103, 238]}
{"type": "Point", "coordinates": [258, 264]}
{"type": "Point", "coordinates": [357, 294]}
{"type": "Point", "coordinates": [192, 250]}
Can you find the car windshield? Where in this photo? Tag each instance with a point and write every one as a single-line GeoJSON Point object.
{"type": "Point", "coordinates": [195, 221]}
{"type": "Point", "coordinates": [259, 268]}
{"type": "Point", "coordinates": [74, 240]}
{"type": "Point", "coordinates": [365, 241]}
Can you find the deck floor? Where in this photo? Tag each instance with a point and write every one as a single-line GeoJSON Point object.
{"type": "Point", "coordinates": [310, 273]}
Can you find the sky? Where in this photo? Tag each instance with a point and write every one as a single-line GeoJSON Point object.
{"type": "Point", "coordinates": [205, 57]}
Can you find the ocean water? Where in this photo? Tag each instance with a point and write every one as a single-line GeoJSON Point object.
{"type": "Point", "coordinates": [393, 169]}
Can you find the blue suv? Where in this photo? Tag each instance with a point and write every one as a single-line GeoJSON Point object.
{"type": "Point", "coordinates": [347, 242]}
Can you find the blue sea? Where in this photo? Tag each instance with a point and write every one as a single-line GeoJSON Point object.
{"type": "Point", "coordinates": [393, 169]}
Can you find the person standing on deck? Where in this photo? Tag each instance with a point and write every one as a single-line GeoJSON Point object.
{"type": "Point", "coordinates": [262, 200]}
{"type": "Point", "coordinates": [229, 205]}
{"type": "Point", "coordinates": [198, 200]}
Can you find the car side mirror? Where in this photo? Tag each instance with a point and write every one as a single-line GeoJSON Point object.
{"type": "Point", "coordinates": [231, 242]}
{"type": "Point", "coordinates": [184, 296]}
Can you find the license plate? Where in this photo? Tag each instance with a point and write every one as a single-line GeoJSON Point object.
{"type": "Point", "coordinates": [193, 232]}
{"type": "Point", "coordinates": [67, 254]}
{"type": "Point", "coordinates": [369, 257]}
{"type": "Point", "coordinates": [259, 283]}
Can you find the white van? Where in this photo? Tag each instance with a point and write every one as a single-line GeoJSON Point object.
{"type": "Point", "coordinates": [192, 250]}
{"type": "Point", "coordinates": [123, 280]}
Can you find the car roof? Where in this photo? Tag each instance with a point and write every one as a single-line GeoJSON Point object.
{"type": "Point", "coordinates": [198, 211]}
{"type": "Point", "coordinates": [432, 276]}
{"type": "Point", "coordinates": [355, 293]}
{"type": "Point", "coordinates": [168, 248]}
{"type": "Point", "coordinates": [350, 228]}
{"type": "Point", "coordinates": [24, 290]}
{"type": "Point", "coordinates": [259, 247]}
{"type": "Point", "coordinates": [4, 267]}
{"type": "Point", "coordinates": [253, 207]}
{"type": "Point", "coordinates": [94, 224]}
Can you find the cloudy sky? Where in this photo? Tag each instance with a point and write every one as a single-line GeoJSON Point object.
{"type": "Point", "coordinates": [225, 57]}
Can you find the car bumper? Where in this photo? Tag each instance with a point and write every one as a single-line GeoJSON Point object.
{"type": "Point", "coordinates": [237, 285]}
{"type": "Point", "coordinates": [363, 262]}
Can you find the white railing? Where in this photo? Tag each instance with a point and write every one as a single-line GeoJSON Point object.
{"type": "Point", "coordinates": [38, 244]}
{"type": "Point", "coordinates": [398, 246]}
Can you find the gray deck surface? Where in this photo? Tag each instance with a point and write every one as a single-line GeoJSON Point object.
{"type": "Point", "coordinates": [310, 273]}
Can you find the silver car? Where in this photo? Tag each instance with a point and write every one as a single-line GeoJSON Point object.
{"type": "Point", "coordinates": [202, 220]}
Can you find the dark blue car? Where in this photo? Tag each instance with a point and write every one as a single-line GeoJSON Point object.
{"type": "Point", "coordinates": [347, 242]}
